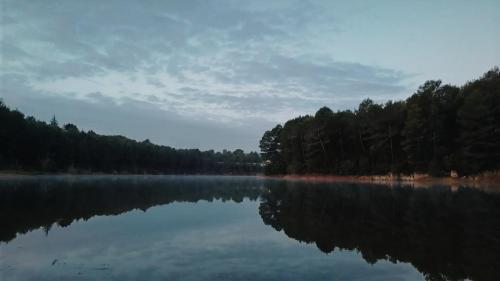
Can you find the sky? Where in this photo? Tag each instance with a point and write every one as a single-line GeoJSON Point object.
{"type": "Point", "coordinates": [217, 74]}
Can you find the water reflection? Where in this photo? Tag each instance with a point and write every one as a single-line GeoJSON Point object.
{"type": "Point", "coordinates": [445, 234]}
{"type": "Point", "coordinates": [29, 203]}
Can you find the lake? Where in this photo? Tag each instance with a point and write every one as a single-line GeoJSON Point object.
{"type": "Point", "coordinates": [243, 228]}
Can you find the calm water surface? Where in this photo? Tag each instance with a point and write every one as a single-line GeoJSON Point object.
{"type": "Point", "coordinates": [243, 228]}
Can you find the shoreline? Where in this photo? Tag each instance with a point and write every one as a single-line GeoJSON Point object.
{"type": "Point", "coordinates": [13, 173]}
{"type": "Point", "coordinates": [488, 177]}
{"type": "Point", "coordinates": [486, 181]}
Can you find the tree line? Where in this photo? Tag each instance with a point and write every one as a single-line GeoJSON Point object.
{"type": "Point", "coordinates": [440, 128]}
{"type": "Point", "coordinates": [31, 145]}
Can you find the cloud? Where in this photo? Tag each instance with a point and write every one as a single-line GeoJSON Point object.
{"type": "Point", "coordinates": [226, 69]}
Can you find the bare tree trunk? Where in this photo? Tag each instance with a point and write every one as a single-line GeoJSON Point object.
{"type": "Point", "coordinates": [322, 145]}
{"type": "Point", "coordinates": [392, 149]}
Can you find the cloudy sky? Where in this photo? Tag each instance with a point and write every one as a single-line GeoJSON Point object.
{"type": "Point", "coordinates": [217, 74]}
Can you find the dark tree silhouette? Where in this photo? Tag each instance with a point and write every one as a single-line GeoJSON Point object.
{"type": "Point", "coordinates": [270, 147]}
{"type": "Point", "coordinates": [438, 129]}
{"type": "Point", "coordinates": [31, 145]}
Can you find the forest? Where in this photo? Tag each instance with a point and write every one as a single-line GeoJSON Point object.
{"type": "Point", "coordinates": [438, 129]}
{"type": "Point", "coordinates": [27, 144]}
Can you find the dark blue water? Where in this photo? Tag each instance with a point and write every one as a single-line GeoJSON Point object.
{"type": "Point", "coordinates": [243, 228]}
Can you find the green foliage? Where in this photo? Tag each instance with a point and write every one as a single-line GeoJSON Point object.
{"type": "Point", "coordinates": [270, 147]}
{"type": "Point", "coordinates": [479, 119]}
{"type": "Point", "coordinates": [29, 144]}
{"type": "Point", "coordinates": [438, 129]}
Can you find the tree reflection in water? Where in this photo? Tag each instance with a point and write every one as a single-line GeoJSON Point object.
{"type": "Point", "coordinates": [445, 234]}
{"type": "Point", "coordinates": [29, 204]}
